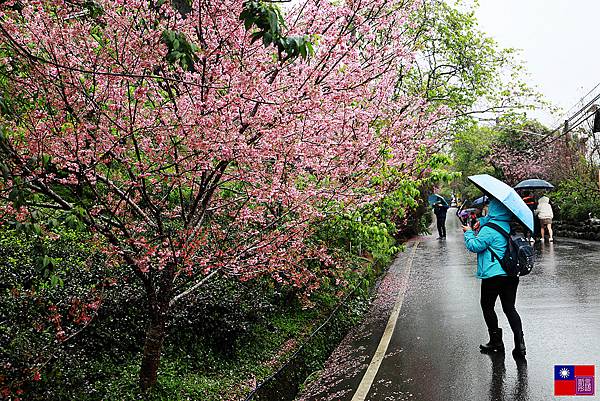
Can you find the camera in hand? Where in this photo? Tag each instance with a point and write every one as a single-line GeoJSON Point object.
{"type": "Point", "coordinates": [472, 220]}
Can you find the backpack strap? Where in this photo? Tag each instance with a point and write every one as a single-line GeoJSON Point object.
{"type": "Point", "coordinates": [497, 228]}
{"type": "Point", "coordinates": [500, 230]}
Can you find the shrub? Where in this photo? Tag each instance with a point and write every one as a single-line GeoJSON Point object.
{"type": "Point", "coordinates": [223, 313]}
{"type": "Point", "coordinates": [98, 358]}
{"type": "Point", "coordinates": [576, 200]}
{"type": "Point", "coordinates": [49, 291]}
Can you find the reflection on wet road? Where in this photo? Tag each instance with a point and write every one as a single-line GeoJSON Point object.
{"type": "Point", "coordinates": [433, 353]}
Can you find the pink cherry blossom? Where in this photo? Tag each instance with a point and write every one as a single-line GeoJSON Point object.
{"type": "Point", "coordinates": [224, 167]}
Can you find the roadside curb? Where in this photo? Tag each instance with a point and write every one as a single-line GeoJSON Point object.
{"type": "Point", "coordinates": [348, 363]}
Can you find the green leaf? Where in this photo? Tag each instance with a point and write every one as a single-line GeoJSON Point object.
{"type": "Point", "coordinates": [273, 25]}
{"type": "Point", "coordinates": [311, 49]}
{"type": "Point", "coordinates": [256, 36]}
{"type": "Point", "coordinates": [5, 171]}
{"type": "Point", "coordinates": [14, 195]}
{"type": "Point", "coordinates": [267, 39]}
{"type": "Point", "coordinates": [303, 52]}
{"type": "Point", "coordinates": [37, 229]}
{"type": "Point", "coordinates": [46, 160]}
{"type": "Point", "coordinates": [56, 281]}
{"type": "Point", "coordinates": [248, 22]}
{"type": "Point", "coordinates": [71, 221]}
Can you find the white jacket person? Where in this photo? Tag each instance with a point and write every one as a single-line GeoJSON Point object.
{"type": "Point", "coordinates": [544, 210]}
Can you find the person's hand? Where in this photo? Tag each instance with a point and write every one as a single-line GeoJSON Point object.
{"type": "Point", "coordinates": [476, 225]}
{"type": "Point", "coordinates": [466, 228]}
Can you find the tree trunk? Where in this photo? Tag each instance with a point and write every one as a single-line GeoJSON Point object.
{"type": "Point", "coordinates": [158, 308]}
{"type": "Point", "coordinates": [155, 336]}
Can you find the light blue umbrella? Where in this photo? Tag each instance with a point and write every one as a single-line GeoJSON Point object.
{"type": "Point", "coordinates": [495, 188]}
{"type": "Point", "coordinates": [435, 198]}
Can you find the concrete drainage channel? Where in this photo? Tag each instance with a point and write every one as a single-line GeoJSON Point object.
{"type": "Point", "coordinates": [286, 382]}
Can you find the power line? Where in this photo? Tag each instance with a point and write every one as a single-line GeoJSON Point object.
{"type": "Point", "coordinates": [577, 124]}
{"type": "Point", "coordinates": [567, 121]}
{"type": "Point", "coordinates": [579, 102]}
{"type": "Point", "coordinates": [586, 107]}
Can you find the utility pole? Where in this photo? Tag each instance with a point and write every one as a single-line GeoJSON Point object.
{"type": "Point", "coordinates": [566, 132]}
{"type": "Point", "coordinates": [596, 111]}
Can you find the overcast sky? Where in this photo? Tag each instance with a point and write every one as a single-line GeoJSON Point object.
{"type": "Point", "coordinates": [559, 41]}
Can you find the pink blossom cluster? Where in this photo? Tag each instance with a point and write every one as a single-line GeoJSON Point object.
{"type": "Point", "coordinates": [225, 165]}
{"type": "Point", "coordinates": [516, 165]}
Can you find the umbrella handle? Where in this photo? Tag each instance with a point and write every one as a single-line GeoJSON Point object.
{"type": "Point", "coordinates": [462, 205]}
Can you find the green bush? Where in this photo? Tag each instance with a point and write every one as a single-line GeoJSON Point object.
{"type": "Point", "coordinates": [223, 313]}
{"type": "Point", "coordinates": [29, 293]}
{"type": "Point", "coordinates": [576, 200]}
{"type": "Point", "coordinates": [219, 337]}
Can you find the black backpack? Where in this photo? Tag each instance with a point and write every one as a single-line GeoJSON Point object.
{"type": "Point", "coordinates": [519, 256]}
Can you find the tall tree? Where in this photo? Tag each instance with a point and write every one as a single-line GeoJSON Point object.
{"type": "Point", "coordinates": [204, 138]}
{"type": "Point", "coordinates": [460, 68]}
{"type": "Point", "coordinates": [529, 150]}
{"type": "Point", "coordinates": [515, 149]}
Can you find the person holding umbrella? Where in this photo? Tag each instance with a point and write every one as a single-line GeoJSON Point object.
{"type": "Point", "coordinates": [490, 246]}
{"type": "Point", "coordinates": [440, 211]}
{"type": "Point", "coordinates": [530, 186]}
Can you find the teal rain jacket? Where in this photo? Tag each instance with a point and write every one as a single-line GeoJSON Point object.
{"type": "Point", "coordinates": [489, 238]}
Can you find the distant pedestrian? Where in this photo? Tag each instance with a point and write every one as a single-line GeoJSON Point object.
{"type": "Point", "coordinates": [545, 214]}
{"type": "Point", "coordinates": [440, 211]}
{"type": "Point", "coordinates": [494, 280]}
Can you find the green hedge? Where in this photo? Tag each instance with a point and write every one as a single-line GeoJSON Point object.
{"type": "Point", "coordinates": [576, 200]}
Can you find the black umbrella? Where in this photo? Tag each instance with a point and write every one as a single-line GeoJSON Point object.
{"type": "Point", "coordinates": [435, 198]}
{"type": "Point", "coordinates": [534, 183]}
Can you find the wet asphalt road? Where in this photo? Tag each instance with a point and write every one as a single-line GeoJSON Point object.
{"type": "Point", "coordinates": [433, 353]}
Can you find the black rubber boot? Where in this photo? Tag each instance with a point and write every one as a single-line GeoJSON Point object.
{"type": "Point", "coordinates": [520, 350]}
{"type": "Point", "coordinates": [495, 344]}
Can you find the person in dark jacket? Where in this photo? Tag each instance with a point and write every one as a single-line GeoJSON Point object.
{"type": "Point", "coordinates": [494, 280]}
{"type": "Point", "coordinates": [440, 211]}
{"type": "Point", "coordinates": [531, 203]}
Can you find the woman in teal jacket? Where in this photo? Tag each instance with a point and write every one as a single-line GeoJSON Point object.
{"type": "Point", "coordinates": [494, 280]}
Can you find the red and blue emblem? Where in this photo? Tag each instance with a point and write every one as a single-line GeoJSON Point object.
{"type": "Point", "coordinates": [574, 379]}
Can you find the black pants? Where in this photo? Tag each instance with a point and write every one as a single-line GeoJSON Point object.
{"type": "Point", "coordinates": [537, 228]}
{"type": "Point", "coordinates": [506, 288]}
{"type": "Point", "coordinates": [441, 226]}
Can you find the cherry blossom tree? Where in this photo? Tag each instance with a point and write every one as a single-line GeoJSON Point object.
{"type": "Point", "coordinates": [532, 152]}
{"type": "Point", "coordinates": [518, 165]}
{"type": "Point", "coordinates": [190, 148]}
